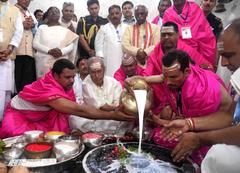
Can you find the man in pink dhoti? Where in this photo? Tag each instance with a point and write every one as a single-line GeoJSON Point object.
{"type": "Point", "coordinates": [194, 27]}
{"type": "Point", "coordinates": [128, 68]}
{"type": "Point", "coordinates": [169, 41]}
{"type": "Point", "coordinates": [46, 104]}
{"type": "Point", "coordinates": [191, 92]}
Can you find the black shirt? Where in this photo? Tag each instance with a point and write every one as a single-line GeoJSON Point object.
{"type": "Point", "coordinates": [89, 27]}
{"type": "Point", "coordinates": [216, 24]}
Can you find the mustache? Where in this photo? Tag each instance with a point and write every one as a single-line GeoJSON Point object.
{"type": "Point", "coordinates": [207, 5]}
{"type": "Point", "coordinates": [85, 68]}
{"type": "Point", "coordinates": [115, 18]}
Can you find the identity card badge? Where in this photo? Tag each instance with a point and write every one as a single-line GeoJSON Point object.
{"type": "Point", "coordinates": [186, 32]}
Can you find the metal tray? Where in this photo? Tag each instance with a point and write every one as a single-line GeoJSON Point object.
{"type": "Point", "coordinates": [59, 166]}
{"type": "Point", "coordinates": [49, 168]}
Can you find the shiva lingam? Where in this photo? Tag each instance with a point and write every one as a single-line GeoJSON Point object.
{"type": "Point", "coordinates": [124, 158]}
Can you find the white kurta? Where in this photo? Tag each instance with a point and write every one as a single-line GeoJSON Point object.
{"type": "Point", "coordinates": [77, 88]}
{"type": "Point", "coordinates": [98, 96]}
{"type": "Point", "coordinates": [67, 24]}
{"type": "Point", "coordinates": [222, 158]}
{"type": "Point", "coordinates": [7, 67]}
{"type": "Point", "coordinates": [108, 45]}
{"type": "Point", "coordinates": [47, 38]}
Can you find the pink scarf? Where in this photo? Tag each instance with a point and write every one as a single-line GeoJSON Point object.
{"type": "Point", "coordinates": [154, 67]}
{"type": "Point", "coordinates": [16, 122]}
{"type": "Point", "coordinates": [155, 20]}
{"type": "Point", "coordinates": [44, 90]}
{"type": "Point", "coordinates": [203, 39]}
{"type": "Point", "coordinates": [201, 96]}
{"type": "Point", "coordinates": [120, 75]}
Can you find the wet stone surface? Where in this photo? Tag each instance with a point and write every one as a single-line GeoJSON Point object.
{"type": "Point", "coordinates": [106, 159]}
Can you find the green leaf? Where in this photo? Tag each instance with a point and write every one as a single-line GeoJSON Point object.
{"type": "Point", "coordinates": [2, 144]}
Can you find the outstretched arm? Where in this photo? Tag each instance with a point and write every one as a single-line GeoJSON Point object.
{"type": "Point", "coordinates": [87, 111]}
{"type": "Point", "coordinates": [230, 136]}
{"type": "Point", "coordinates": [217, 120]}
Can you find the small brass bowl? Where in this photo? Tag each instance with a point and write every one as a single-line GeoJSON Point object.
{"type": "Point", "coordinates": [38, 154]}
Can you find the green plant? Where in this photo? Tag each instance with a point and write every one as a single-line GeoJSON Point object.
{"type": "Point", "coordinates": [2, 145]}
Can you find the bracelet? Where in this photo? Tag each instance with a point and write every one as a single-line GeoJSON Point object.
{"type": "Point", "coordinates": [193, 123]}
{"type": "Point", "coordinates": [190, 123]}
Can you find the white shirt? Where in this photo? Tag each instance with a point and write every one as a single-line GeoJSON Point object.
{"type": "Point", "coordinates": [108, 45]}
{"type": "Point", "coordinates": [49, 37]}
{"type": "Point", "coordinates": [7, 67]}
{"type": "Point", "coordinates": [98, 96]}
{"type": "Point", "coordinates": [67, 24]}
{"type": "Point", "coordinates": [77, 88]}
{"type": "Point", "coordinates": [17, 36]}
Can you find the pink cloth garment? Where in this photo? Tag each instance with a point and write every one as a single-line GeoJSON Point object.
{"type": "Point", "coordinates": [154, 67]}
{"type": "Point", "coordinates": [140, 69]}
{"type": "Point", "coordinates": [201, 96]}
{"type": "Point", "coordinates": [16, 122]}
{"type": "Point", "coordinates": [192, 16]}
{"type": "Point", "coordinates": [120, 75]}
{"type": "Point", "coordinates": [155, 20]}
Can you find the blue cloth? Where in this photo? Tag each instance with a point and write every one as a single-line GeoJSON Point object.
{"type": "Point", "coordinates": [236, 117]}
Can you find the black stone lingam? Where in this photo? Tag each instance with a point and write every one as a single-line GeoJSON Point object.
{"type": "Point", "coordinates": [103, 159]}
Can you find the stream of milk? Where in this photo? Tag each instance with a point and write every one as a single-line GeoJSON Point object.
{"type": "Point", "coordinates": [141, 97]}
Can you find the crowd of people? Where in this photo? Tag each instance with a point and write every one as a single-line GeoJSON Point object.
{"type": "Point", "coordinates": [64, 74]}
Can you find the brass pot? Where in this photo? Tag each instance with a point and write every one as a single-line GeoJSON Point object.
{"type": "Point", "coordinates": [128, 100]}
{"type": "Point", "coordinates": [129, 103]}
{"type": "Point", "coordinates": [139, 84]}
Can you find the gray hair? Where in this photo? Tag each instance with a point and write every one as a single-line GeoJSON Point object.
{"type": "Point", "coordinates": [95, 59]}
{"type": "Point", "coordinates": [141, 6]}
{"type": "Point", "coordinates": [67, 4]}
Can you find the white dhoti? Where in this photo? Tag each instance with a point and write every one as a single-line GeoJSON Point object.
{"type": "Point", "coordinates": [222, 158]}
{"type": "Point", "coordinates": [6, 84]}
{"type": "Point", "coordinates": [108, 127]}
